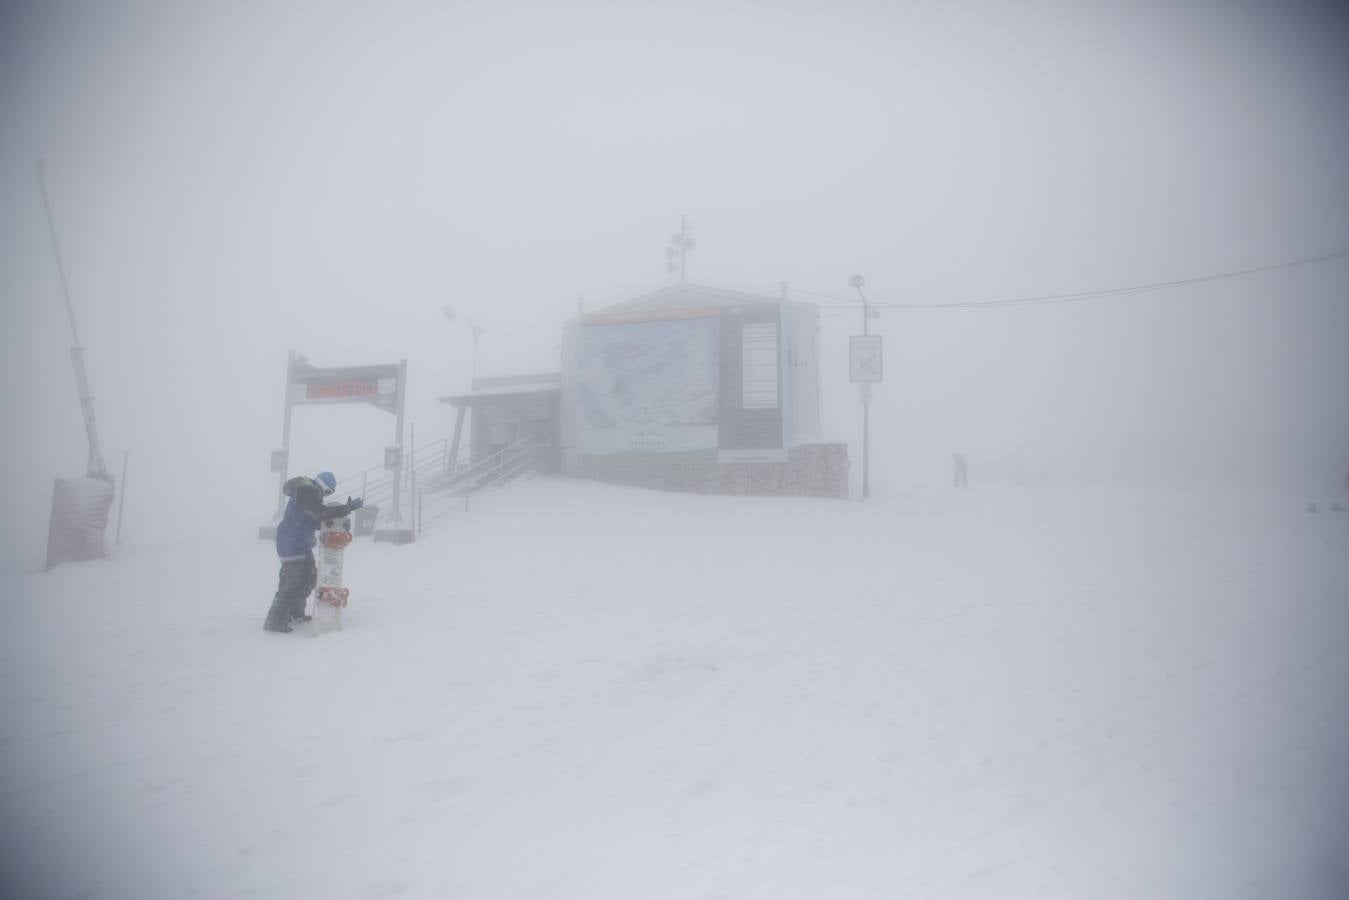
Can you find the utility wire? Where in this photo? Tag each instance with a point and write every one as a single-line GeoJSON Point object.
{"type": "Point", "coordinates": [1085, 295]}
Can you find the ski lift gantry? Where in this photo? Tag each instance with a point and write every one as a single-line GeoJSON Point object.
{"type": "Point", "coordinates": [382, 386]}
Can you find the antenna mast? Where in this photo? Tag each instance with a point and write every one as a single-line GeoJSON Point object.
{"type": "Point", "coordinates": [676, 254]}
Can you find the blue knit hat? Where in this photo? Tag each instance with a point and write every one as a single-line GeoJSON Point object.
{"type": "Point", "coordinates": [327, 482]}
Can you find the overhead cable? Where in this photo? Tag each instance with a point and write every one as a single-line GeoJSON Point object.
{"type": "Point", "coordinates": [1086, 295]}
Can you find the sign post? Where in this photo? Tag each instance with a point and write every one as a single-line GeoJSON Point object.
{"type": "Point", "coordinates": [382, 386]}
{"type": "Point", "coordinates": [865, 367]}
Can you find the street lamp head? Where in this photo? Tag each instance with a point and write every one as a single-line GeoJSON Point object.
{"type": "Point", "coordinates": [857, 281]}
{"type": "Point", "coordinates": [455, 317]}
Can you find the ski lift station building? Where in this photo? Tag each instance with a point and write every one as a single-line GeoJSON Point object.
{"type": "Point", "coordinates": [689, 388]}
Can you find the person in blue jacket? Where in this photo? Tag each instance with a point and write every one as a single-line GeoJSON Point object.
{"type": "Point", "coordinates": [305, 510]}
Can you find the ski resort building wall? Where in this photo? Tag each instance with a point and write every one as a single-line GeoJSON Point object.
{"type": "Point", "coordinates": [698, 389]}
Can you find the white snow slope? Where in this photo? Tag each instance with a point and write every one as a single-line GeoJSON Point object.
{"type": "Point", "coordinates": [583, 691]}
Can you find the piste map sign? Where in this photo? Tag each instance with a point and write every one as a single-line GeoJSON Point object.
{"type": "Point", "coordinates": [376, 385]}
{"type": "Point", "coordinates": [704, 386]}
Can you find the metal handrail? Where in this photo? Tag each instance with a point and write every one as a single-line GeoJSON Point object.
{"type": "Point", "coordinates": [436, 460]}
{"type": "Point", "coordinates": [388, 476]}
{"type": "Point", "coordinates": [521, 462]}
{"type": "Point", "coordinates": [453, 465]}
{"type": "Point", "coordinates": [501, 466]}
{"type": "Point", "coordinates": [444, 476]}
{"type": "Point", "coordinates": [524, 465]}
{"type": "Point", "coordinates": [445, 472]}
{"type": "Point", "coordinates": [430, 461]}
{"type": "Point", "coordinates": [484, 464]}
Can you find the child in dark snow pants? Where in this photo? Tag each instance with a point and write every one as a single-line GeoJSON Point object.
{"type": "Point", "coordinates": [305, 512]}
{"type": "Point", "coordinates": [297, 580]}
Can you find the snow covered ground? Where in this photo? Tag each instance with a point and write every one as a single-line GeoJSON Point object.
{"type": "Point", "coordinates": [584, 691]}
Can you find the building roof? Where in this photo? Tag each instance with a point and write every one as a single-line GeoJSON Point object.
{"type": "Point", "coordinates": [542, 383]}
{"type": "Point", "coordinates": [679, 300]}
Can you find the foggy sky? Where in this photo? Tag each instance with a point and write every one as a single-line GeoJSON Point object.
{"type": "Point", "coordinates": [230, 181]}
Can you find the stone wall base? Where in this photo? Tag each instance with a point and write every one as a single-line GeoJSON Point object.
{"type": "Point", "coordinates": [812, 470]}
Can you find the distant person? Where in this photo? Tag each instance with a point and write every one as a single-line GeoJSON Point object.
{"type": "Point", "coordinates": [962, 478]}
{"type": "Point", "coordinates": [305, 511]}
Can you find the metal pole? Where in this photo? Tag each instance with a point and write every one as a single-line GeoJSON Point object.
{"type": "Point", "coordinates": [121, 502]}
{"type": "Point", "coordinates": [784, 385]}
{"type": "Point", "coordinates": [866, 442]}
{"type": "Point", "coordinates": [683, 248]}
{"type": "Point", "coordinates": [285, 443]}
{"type": "Point", "coordinates": [394, 514]}
{"type": "Point", "coordinates": [96, 468]}
{"type": "Point", "coordinates": [56, 249]}
{"type": "Point", "coordinates": [458, 431]}
{"type": "Point", "coordinates": [683, 244]}
{"type": "Point", "coordinates": [865, 389]}
{"type": "Point", "coordinates": [866, 408]}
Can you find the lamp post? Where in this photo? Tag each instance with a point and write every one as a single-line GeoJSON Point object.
{"type": "Point", "coordinates": [477, 330]}
{"type": "Point", "coordinates": [857, 282]}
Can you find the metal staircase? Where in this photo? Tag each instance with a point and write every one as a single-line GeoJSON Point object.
{"type": "Point", "coordinates": [437, 483]}
{"type": "Point", "coordinates": [453, 489]}
{"type": "Point", "coordinates": [376, 485]}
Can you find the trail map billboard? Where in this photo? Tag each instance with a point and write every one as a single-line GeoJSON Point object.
{"type": "Point", "coordinates": [705, 387]}
{"type": "Point", "coordinates": [649, 390]}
